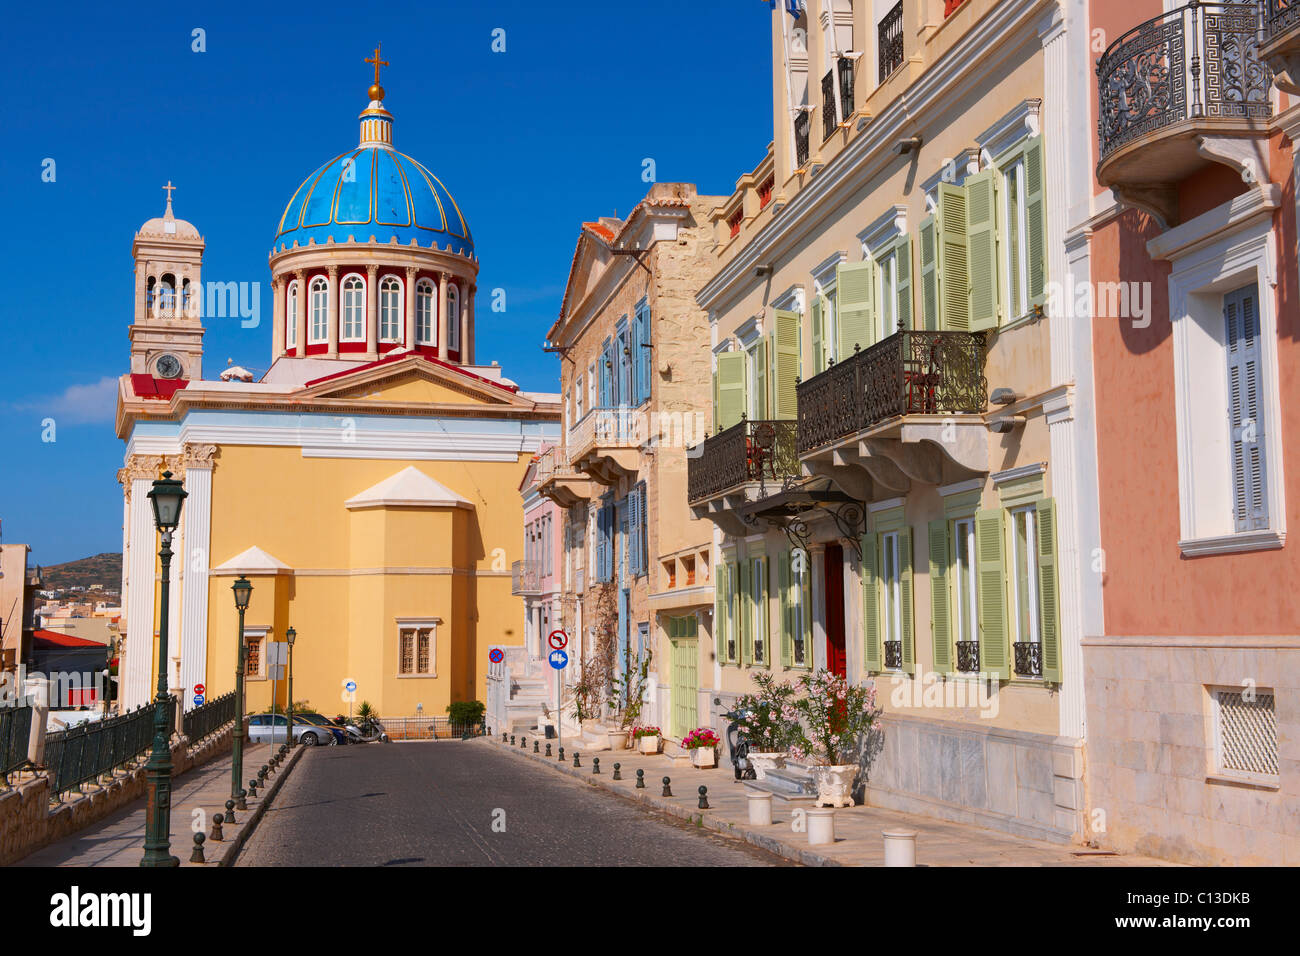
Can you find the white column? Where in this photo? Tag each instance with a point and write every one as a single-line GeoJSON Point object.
{"type": "Point", "coordinates": [332, 348]}
{"type": "Point", "coordinates": [409, 317]}
{"type": "Point", "coordinates": [463, 300]}
{"type": "Point", "coordinates": [139, 613]}
{"type": "Point", "coordinates": [304, 304]}
{"type": "Point", "coordinates": [175, 576]}
{"type": "Point", "coordinates": [277, 313]}
{"type": "Point", "coordinates": [193, 635]}
{"type": "Point", "coordinates": [442, 316]}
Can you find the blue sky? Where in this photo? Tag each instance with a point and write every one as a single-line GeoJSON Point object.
{"type": "Point", "coordinates": [531, 142]}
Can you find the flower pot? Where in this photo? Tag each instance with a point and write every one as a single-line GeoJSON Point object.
{"type": "Point", "coordinates": [834, 784]}
{"type": "Point", "coordinates": [763, 761]}
{"type": "Point", "coordinates": [648, 745]}
{"type": "Point", "coordinates": [703, 757]}
{"type": "Point", "coordinates": [618, 740]}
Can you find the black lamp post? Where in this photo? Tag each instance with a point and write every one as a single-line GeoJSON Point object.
{"type": "Point", "coordinates": [243, 589]}
{"type": "Point", "coordinates": [167, 497]}
{"type": "Point", "coordinates": [291, 635]}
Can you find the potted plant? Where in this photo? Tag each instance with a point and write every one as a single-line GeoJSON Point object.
{"type": "Point", "coordinates": [769, 722]}
{"type": "Point", "coordinates": [647, 739]}
{"type": "Point", "coordinates": [836, 717]}
{"type": "Point", "coordinates": [703, 745]}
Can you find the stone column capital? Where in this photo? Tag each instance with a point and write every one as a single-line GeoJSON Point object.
{"type": "Point", "coordinates": [333, 271]}
{"type": "Point", "coordinates": [372, 270]}
{"type": "Point", "coordinates": [199, 456]}
{"type": "Point", "coordinates": [141, 467]}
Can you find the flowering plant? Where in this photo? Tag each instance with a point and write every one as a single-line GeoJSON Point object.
{"type": "Point", "coordinates": [835, 714]}
{"type": "Point", "coordinates": [639, 732]}
{"type": "Point", "coordinates": [769, 719]}
{"type": "Point", "coordinates": [698, 738]}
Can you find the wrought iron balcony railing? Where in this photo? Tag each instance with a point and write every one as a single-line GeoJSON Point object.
{"type": "Point", "coordinates": [525, 577]}
{"type": "Point", "coordinates": [844, 66]}
{"type": "Point", "coordinates": [1200, 60]}
{"type": "Point", "coordinates": [761, 450]}
{"type": "Point", "coordinates": [890, 41]}
{"type": "Point", "coordinates": [968, 657]}
{"type": "Point", "coordinates": [1029, 658]}
{"type": "Point", "coordinates": [909, 373]}
{"type": "Point", "coordinates": [620, 427]}
{"type": "Point", "coordinates": [801, 138]}
{"type": "Point", "coordinates": [893, 655]}
{"type": "Point", "coordinates": [1280, 16]}
{"type": "Point", "coordinates": [829, 118]}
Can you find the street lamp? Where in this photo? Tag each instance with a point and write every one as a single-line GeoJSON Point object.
{"type": "Point", "coordinates": [167, 497]}
{"type": "Point", "coordinates": [291, 635]}
{"type": "Point", "coordinates": [243, 589]}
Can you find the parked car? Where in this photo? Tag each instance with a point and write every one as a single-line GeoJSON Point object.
{"type": "Point", "coordinates": [340, 734]}
{"type": "Point", "coordinates": [271, 728]}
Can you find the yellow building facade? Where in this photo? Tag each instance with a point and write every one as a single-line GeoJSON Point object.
{"type": "Point", "coordinates": [367, 484]}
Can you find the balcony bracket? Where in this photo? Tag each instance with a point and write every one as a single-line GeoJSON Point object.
{"type": "Point", "coordinates": [963, 442]}
{"type": "Point", "coordinates": [796, 529]}
{"type": "Point", "coordinates": [1247, 155]}
{"type": "Point", "coordinates": [850, 479]}
{"type": "Point", "coordinates": [883, 471]}
{"type": "Point", "coordinates": [916, 460]}
{"type": "Point", "coordinates": [1159, 201]}
{"type": "Point", "coordinates": [850, 519]}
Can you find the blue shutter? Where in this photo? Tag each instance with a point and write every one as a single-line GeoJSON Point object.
{"type": "Point", "coordinates": [606, 376]}
{"type": "Point", "coordinates": [634, 346]}
{"type": "Point", "coordinates": [644, 557]}
{"type": "Point", "coordinates": [643, 356]}
{"type": "Point", "coordinates": [634, 532]}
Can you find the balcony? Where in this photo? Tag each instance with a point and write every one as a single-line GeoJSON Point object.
{"type": "Point", "coordinates": [606, 443]}
{"type": "Point", "coordinates": [801, 123]}
{"type": "Point", "coordinates": [1029, 658]}
{"type": "Point", "coordinates": [889, 39]}
{"type": "Point", "coordinates": [1281, 46]}
{"type": "Point", "coordinates": [745, 463]}
{"type": "Point", "coordinates": [560, 481]}
{"type": "Point", "coordinates": [1180, 91]}
{"type": "Point", "coordinates": [526, 577]}
{"type": "Point", "coordinates": [899, 409]}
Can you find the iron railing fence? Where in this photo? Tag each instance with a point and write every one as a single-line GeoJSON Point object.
{"type": "Point", "coordinates": [829, 118]}
{"type": "Point", "coordinates": [203, 720]}
{"type": "Point", "coordinates": [1029, 658]}
{"type": "Point", "coordinates": [893, 655]}
{"type": "Point", "coordinates": [81, 754]}
{"type": "Point", "coordinates": [1280, 16]}
{"type": "Point", "coordinates": [801, 124]}
{"type": "Point", "coordinates": [1199, 60]}
{"type": "Point", "coordinates": [763, 450]}
{"type": "Point", "coordinates": [430, 728]}
{"type": "Point", "coordinates": [968, 657]}
{"type": "Point", "coordinates": [912, 372]}
{"type": "Point", "coordinates": [844, 66]}
{"type": "Point", "coordinates": [15, 733]}
{"type": "Point", "coordinates": [889, 34]}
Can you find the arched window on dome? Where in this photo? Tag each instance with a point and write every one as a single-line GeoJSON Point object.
{"type": "Point", "coordinates": [320, 296]}
{"type": "Point", "coordinates": [291, 316]}
{"type": "Point", "coordinates": [453, 317]}
{"type": "Point", "coordinates": [390, 309]}
{"type": "Point", "coordinates": [354, 309]}
{"type": "Point", "coordinates": [425, 322]}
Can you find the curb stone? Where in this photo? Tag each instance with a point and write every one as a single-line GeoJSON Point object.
{"type": "Point", "coordinates": [236, 843]}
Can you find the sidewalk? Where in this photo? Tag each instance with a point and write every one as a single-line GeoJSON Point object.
{"type": "Point", "coordinates": [118, 839]}
{"type": "Point", "coordinates": [858, 840]}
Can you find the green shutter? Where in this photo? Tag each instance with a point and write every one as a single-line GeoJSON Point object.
{"type": "Point", "coordinates": [929, 274]}
{"type": "Point", "coordinates": [982, 249]}
{"type": "Point", "coordinates": [761, 630]}
{"type": "Point", "coordinates": [715, 403]}
{"type": "Point", "coordinates": [1036, 221]}
{"type": "Point", "coordinates": [1048, 606]}
{"type": "Point", "coordinates": [785, 365]}
{"type": "Point", "coordinates": [871, 603]}
{"type": "Point", "coordinates": [787, 610]}
{"type": "Point", "coordinates": [855, 289]}
{"type": "Point", "coordinates": [746, 611]}
{"type": "Point", "coordinates": [903, 274]}
{"type": "Point", "coordinates": [760, 379]}
{"type": "Point", "coordinates": [940, 597]}
{"type": "Point", "coordinates": [720, 611]}
{"type": "Point", "coordinates": [954, 288]}
{"type": "Point", "coordinates": [905, 597]}
{"type": "Point", "coordinates": [818, 352]}
{"type": "Point", "coordinates": [991, 577]}
{"type": "Point", "coordinates": [732, 392]}
{"type": "Point", "coordinates": [805, 601]}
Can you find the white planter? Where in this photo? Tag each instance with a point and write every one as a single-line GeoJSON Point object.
{"type": "Point", "coordinates": [821, 826]}
{"type": "Point", "coordinates": [618, 740]}
{"type": "Point", "coordinates": [704, 757]}
{"type": "Point", "coordinates": [648, 745]}
{"type": "Point", "coordinates": [763, 761]}
{"type": "Point", "coordinates": [900, 847]}
{"type": "Point", "coordinates": [834, 784]}
{"type": "Point", "coordinates": [760, 808]}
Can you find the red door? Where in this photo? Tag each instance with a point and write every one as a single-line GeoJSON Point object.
{"type": "Point", "coordinates": [836, 658]}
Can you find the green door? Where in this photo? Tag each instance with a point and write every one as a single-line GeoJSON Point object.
{"type": "Point", "coordinates": [685, 652]}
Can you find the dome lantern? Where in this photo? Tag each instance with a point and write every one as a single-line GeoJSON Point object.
{"type": "Point", "coordinates": [376, 122]}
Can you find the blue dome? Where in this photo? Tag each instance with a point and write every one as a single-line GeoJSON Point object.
{"type": "Point", "coordinates": [374, 190]}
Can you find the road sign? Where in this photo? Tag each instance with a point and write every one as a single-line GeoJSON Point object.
{"type": "Point", "coordinates": [558, 659]}
{"type": "Point", "coordinates": [558, 640]}
{"type": "Point", "coordinates": [199, 689]}
{"type": "Point", "coordinates": [350, 686]}
{"type": "Point", "coordinates": [497, 655]}
{"type": "Point", "coordinates": [198, 699]}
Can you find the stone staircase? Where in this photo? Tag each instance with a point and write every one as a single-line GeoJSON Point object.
{"type": "Point", "coordinates": [793, 783]}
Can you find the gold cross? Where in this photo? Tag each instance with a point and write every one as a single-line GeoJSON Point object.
{"type": "Point", "coordinates": [377, 62]}
{"type": "Point", "coordinates": [169, 187]}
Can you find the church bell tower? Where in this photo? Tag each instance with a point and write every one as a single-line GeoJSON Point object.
{"type": "Point", "coordinates": [167, 332]}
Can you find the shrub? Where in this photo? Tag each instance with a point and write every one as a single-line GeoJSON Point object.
{"type": "Point", "coordinates": [466, 712]}
{"type": "Point", "coordinates": [698, 738]}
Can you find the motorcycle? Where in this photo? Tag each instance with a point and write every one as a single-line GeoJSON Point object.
{"type": "Point", "coordinates": [738, 745]}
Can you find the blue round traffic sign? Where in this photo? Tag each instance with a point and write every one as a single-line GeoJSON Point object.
{"type": "Point", "coordinates": [198, 699]}
{"type": "Point", "coordinates": [558, 659]}
{"type": "Point", "coordinates": [350, 686]}
{"type": "Point", "coordinates": [496, 656]}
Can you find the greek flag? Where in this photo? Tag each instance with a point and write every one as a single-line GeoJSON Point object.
{"type": "Point", "coordinates": [792, 7]}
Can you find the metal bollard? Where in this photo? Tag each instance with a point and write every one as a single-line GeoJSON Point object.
{"type": "Point", "coordinates": [216, 836]}
{"type": "Point", "coordinates": [617, 775]}
{"type": "Point", "coordinates": [595, 765]}
{"type": "Point", "coordinates": [704, 798]}
{"type": "Point", "coordinates": [536, 747]}
{"type": "Point", "coordinates": [561, 755]}
{"type": "Point", "coordinates": [640, 780]}
{"type": "Point", "coordinates": [230, 811]}
{"type": "Point", "coordinates": [668, 790]}
{"type": "Point", "coordinates": [512, 740]}
{"type": "Point", "coordinates": [576, 761]}
{"type": "Point", "coordinates": [252, 787]}
{"type": "Point", "coordinates": [548, 750]}
{"type": "Point", "coordinates": [242, 802]}
{"type": "Point", "coordinates": [197, 855]}
{"type": "Point", "coordinates": [523, 742]}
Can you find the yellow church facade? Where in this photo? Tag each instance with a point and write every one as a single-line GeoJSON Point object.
{"type": "Point", "coordinates": [366, 484]}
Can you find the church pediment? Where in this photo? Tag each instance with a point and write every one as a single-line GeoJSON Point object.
{"type": "Point", "coordinates": [412, 379]}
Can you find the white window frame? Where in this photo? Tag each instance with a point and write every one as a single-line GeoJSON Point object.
{"type": "Point", "coordinates": [453, 317]}
{"type": "Point", "coordinates": [426, 301]}
{"type": "Point", "coordinates": [965, 631]}
{"type": "Point", "coordinates": [1219, 251]}
{"type": "Point", "coordinates": [578, 396]}
{"type": "Point", "coordinates": [345, 310]}
{"type": "Point", "coordinates": [891, 587]}
{"type": "Point", "coordinates": [1016, 294]}
{"type": "Point", "coordinates": [262, 634]}
{"type": "Point", "coordinates": [1219, 772]}
{"type": "Point", "coordinates": [291, 306]}
{"type": "Point", "coordinates": [319, 286]}
{"type": "Point", "coordinates": [389, 283]}
{"type": "Point", "coordinates": [1030, 515]}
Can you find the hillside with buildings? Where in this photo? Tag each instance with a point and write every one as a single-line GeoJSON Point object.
{"type": "Point", "coordinates": [100, 571]}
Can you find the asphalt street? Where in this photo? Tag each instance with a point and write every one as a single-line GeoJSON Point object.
{"type": "Point", "coordinates": [454, 803]}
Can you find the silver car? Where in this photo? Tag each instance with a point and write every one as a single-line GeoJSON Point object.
{"type": "Point", "coordinates": [270, 727]}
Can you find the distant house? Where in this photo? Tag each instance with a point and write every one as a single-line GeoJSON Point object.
{"type": "Point", "coordinates": [71, 663]}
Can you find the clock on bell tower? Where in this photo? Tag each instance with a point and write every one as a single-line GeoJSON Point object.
{"type": "Point", "coordinates": [167, 331]}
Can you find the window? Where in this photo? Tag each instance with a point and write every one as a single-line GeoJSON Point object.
{"type": "Point", "coordinates": [453, 317]}
{"type": "Point", "coordinates": [801, 622]}
{"type": "Point", "coordinates": [887, 301]}
{"type": "Point", "coordinates": [1024, 576]}
{"type": "Point", "coordinates": [592, 381]}
{"type": "Point", "coordinates": [1245, 431]}
{"type": "Point", "coordinates": [733, 223]}
{"type": "Point", "coordinates": [252, 656]}
{"type": "Point", "coordinates": [757, 638]}
{"type": "Point", "coordinates": [415, 657]}
{"type": "Point", "coordinates": [425, 321]}
{"type": "Point", "coordinates": [354, 309]}
{"type": "Point", "coordinates": [1014, 277]}
{"type": "Point", "coordinates": [636, 543]}
{"type": "Point", "coordinates": [965, 594]}
{"type": "Point", "coordinates": [390, 309]}
{"type": "Point", "coordinates": [889, 32]}
{"type": "Point", "coordinates": [891, 609]}
{"type": "Point", "coordinates": [291, 316]}
{"type": "Point", "coordinates": [1245, 734]}
{"type": "Point", "coordinates": [642, 354]}
{"type": "Point", "coordinates": [765, 192]}
{"type": "Point", "coordinates": [578, 395]}
{"type": "Point", "coordinates": [320, 294]}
